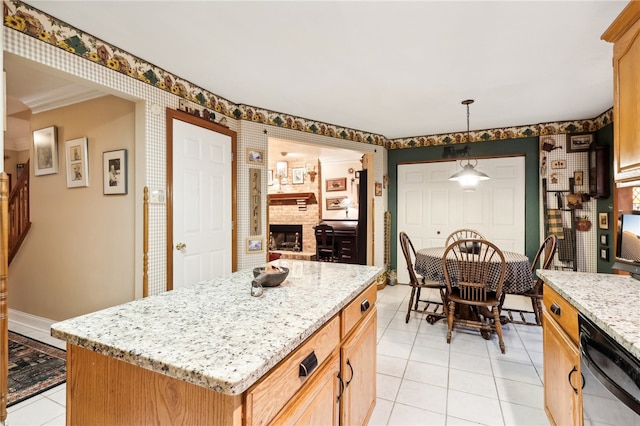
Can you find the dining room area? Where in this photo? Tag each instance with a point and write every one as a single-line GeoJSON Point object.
{"type": "Point", "coordinates": [478, 284]}
{"type": "Point", "coordinates": [460, 341]}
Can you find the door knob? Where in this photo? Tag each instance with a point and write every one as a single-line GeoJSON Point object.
{"type": "Point", "coordinates": [181, 246]}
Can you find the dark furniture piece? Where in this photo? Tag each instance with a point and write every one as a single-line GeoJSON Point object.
{"type": "Point", "coordinates": [325, 243]}
{"type": "Point", "coordinates": [417, 284]}
{"type": "Point", "coordinates": [345, 239]}
{"type": "Point", "coordinates": [543, 259]}
{"type": "Point", "coordinates": [599, 181]}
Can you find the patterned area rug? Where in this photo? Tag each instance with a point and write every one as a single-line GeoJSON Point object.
{"type": "Point", "coordinates": [34, 367]}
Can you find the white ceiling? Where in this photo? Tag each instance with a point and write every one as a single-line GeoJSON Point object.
{"type": "Point", "coordinates": [394, 68]}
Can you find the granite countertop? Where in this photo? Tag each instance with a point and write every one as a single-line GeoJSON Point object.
{"type": "Point", "coordinates": [215, 334]}
{"type": "Point", "coordinates": [611, 301]}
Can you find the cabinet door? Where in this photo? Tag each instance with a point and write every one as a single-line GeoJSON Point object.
{"type": "Point", "coordinates": [562, 379]}
{"type": "Point", "coordinates": [626, 121]}
{"type": "Point", "coordinates": [358, 367]}
{"type": "Point", "coordinates": [317, 403]}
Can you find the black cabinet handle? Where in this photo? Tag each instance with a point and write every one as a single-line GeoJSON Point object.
{"type": "Point", "coordinates": [573, 370]}
{"type": "Point", "coordinates": [341, 388]}
{"type": "Point", "coordinates": [308, 365]}
{"type": "Point", "coordinates": [555, 308]}
{"type": "Point", "coordinates": [349, 364]}
{"type": "Point", "coordinates": [364, 305]}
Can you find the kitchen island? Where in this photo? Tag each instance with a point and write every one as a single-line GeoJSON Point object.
{"type": "Point", "coordinates": [609, 300]}
{"type": "Point", "coordinates": [612, 303]}
{"type": "Point", "coordinates": [213, 354]}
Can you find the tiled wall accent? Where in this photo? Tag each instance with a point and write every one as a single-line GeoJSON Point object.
{"type": "Point", "coordinates": [586, 241]}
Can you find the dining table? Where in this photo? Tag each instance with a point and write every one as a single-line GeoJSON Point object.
{"type": "Point", "coordinates": [518, 277]}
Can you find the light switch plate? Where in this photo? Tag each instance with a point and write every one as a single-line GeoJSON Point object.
{"type": "Point", "coordinates": [559, 164]}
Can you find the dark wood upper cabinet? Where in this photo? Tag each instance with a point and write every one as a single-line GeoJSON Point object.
{"type": "Point", "coordinates": [599, 179]}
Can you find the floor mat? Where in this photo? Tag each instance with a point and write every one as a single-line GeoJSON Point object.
{"type": "Point", "coordinates": [34, 367]}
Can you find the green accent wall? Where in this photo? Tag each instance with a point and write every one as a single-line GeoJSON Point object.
{"type": "Point", "coordinates": [604, 136]}
{"type": "Point", "coordinates": [507, 147]}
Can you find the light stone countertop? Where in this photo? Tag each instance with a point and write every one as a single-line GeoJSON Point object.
{"type": "Point", "coordinates": [611, 301]}
{"type": "Point", "coordinates": [215, 334]}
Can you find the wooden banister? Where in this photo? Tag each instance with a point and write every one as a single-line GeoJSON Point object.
{"type": "Point", "coordinates": [19, 212]}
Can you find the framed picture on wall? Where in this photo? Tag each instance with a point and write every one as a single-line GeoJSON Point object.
{"type": "Point", "coordinates": [297, 175]}
{"type": "Point", "coordinates": [335, 203]}
{"type": "Point", "coordinates": [77, 163]}
{"type": "Point", "coordinates": [45, 148]}
{"type": "Point", "coordinates": [339, 184]}
{"type": "Point", "coordinates": [603, 220]}
{"type": "Point", "coordinates": [254, 245]}
{"type": "Point", "coordinates": [255, 156]}
{"type": "Point", "coordinates": [114, 171]}
{"type": "Point", "coordinates": [577, 142]}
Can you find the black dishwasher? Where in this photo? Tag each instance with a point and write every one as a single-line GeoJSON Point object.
{"type": "Point", "coordinates": [611, 379]}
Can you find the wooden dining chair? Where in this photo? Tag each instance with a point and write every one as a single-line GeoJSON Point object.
{"type": "Point", "coordinates": [470, 277]}
{"type": "Point", "coordinates": [542, 260]}
{"type": "Point", "coordinates": [462, 234]}
{"type": "Point", "coordinates": [417, 284]}
{"type": "Point", "coordinates": [325, 243]}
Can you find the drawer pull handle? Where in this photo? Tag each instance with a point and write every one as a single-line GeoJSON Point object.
{"type": "Point", "coordinates": [555, 308]}
{"type": "Point", "coordinates": [364, 305]}
{"type": "Point", "coordinates": [308, 365]}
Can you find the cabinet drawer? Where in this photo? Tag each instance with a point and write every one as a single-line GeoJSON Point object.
{"type": "Point", "coordinates": [358, 308]}
{"type": "Point", "coordinates": [267, 397]}
{"type": "Point", "coordinates": [562, 312]}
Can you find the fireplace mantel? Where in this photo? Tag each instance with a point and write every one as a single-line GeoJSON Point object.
{"type": "Point", "coordinates": [292, 198]}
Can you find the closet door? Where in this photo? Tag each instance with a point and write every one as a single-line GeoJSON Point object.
{"type": "Point", "coordinates": [430, 206]}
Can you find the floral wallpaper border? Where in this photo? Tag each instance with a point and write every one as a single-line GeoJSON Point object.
{"type": "Point", "coordinates": [22, 17]}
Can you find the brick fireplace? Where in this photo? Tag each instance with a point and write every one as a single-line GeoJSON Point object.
{"type": "Point", "coordinates": [285, 237]}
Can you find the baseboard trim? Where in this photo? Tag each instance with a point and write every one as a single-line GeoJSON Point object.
{"type": "Point", "coordinates": [28, 320]}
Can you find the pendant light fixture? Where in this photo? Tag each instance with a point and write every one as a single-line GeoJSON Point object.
{"type": "Point", "coordinates": [468, 176]}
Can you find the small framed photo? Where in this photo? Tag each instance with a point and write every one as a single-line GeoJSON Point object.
{"type": "Point", "coordinates": [282, 169]}
{"type": "Point", "coordinates": [604, 254]}
{"type": "Point", "coordinates": [255, 156]}
{"type": "Point", "coordinates": [339, 184]}
{"type": "Point", "coordinates": [77, 163]}
{"type": "Point", "coordinates": [378, 189]}
{"type": "Point", "coordinates": [577, 142]}
{"type": "Point", "coordinates": [335, 203]}
{"type": "Point", "coordinates": [604, 239]}
{"type": "Point", "coordinates": [45, 150]}
{"type": "Point", "coordinates": [254, 245]}
{"type": "Point", "coordinates": [603, 220]}
{"type": "Point", "coordinates": [114, 169]}
{"type": "Point", "coordinates": [297, 175]}
{"type": "Point", "coordinates": [578, 178]}
{"type": "Point", "coordinates": [270, 177]}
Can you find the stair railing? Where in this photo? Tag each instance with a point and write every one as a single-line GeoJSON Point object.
{"type": "Point", "coordinates": [19, 212]}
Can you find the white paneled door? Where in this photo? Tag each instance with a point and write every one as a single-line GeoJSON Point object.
{"type": "Point", "coordinates": [430, 206]}
{"type": "Point", "coordinates": [201, 204]}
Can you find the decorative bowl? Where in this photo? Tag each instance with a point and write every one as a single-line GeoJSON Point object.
{"type": "Point", "coordinates": [272, 279]}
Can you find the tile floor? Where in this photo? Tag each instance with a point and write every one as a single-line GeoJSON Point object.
{"type": "Point", "coordinates": [421, 379]}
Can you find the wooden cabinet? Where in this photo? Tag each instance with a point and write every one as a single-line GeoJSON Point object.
{"type": "Point", "coordinates": [624, 33]}
{"type": "Point", "coordinates": [562, 377]}
{"type": "Point", "coordinates": [341, 390]}
{"type": "Point", "coordinates": [358, 366]}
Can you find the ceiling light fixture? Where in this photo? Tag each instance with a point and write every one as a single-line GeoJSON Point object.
{"type": "Point", "coordinates": [468, 176]}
